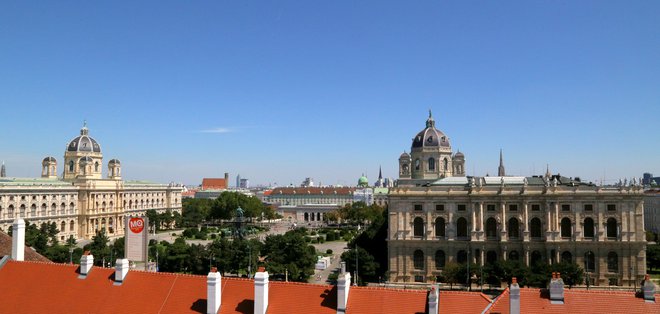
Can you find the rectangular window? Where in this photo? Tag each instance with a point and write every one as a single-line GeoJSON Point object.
{"type": "Point", "coordinates": [418, 207]}
{"type": "Point", "coordinates": [566, 207]}
{"type": "Point", "coordinates": [461, 207]}
{"type": "Point", "coordinates": [439, 207]}
{"type": "Point", "coordinates": [588, 207]}
{"type": "Point", "coordinates": [490, 207]}
{"type": "Point", "coordinates": [419, 278]}
{"type": "Point", "coordinates": [611, 207]}
{"type": "Point", "coordinates": [513, 207]}
{"type": "Point", "coordinates": [536, 207]}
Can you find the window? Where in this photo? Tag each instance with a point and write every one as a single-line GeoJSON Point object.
{"type": "Point", "coordinates": [62, 226]}
{"type": "Point", "coordinates": [514, 256]}
{"type": "Point", "coordinates": [419, 278]}
{"type": "Point", "coordinates": [612, 262]}
{"type": "Point", "coordinates": [513, 207]}
{"type": "Point", "coordinates": [566, 207]}
{"type": "Point", "coordinates": [514, 228]}
{"type": "Point", "coordinates": [611, 207]}
{"type": "Point", "coordinates": [490, 207]}
{"type": "Point", "coordinates": [416, 164]}
{"type": "Point", "coordinates": [612, 231]}
{"type": "Point", "coordinates": [71, 225]}
{"type": "Point", "coordinates": [462, 228]}
{"type": "Point", "coordinates": [461, 207]}
{"type": "Point", "coordinates": [589, 261]}
{"type": "Point", "coordinates": [71, 166]}
{"type": "Point", "coordinates": [439, 259]}
{"type": "Point", "coordinates": [589, 228]}
{"type": "Point", "coordinates": [439, 227]}
{"type": "Point", "coordinates": [418, 207]}
{"type": "Point", "coordinates": [588, 207]}
{"type": "Point", "coordinates": [536, 207]}
{"type": "Point", "coordinates": [418, 260]}
{"type": "Point", "coordinates": [491, 228]}
{"type": "Point", "coordinates": [535, 226]}
{"type": "Point", "coordinates": [431, 164]}
{"type": "Point", "coordinates": [446, 164]}
{"type": "Point", "coordinates": [566, 257]}
{"type": "Point", "coordinates": [461, 257]}
{"type": "Point", "coordinates": [565, 227]}
{"type": "Point", "coordinates": [439, 207]}
{"type": "Point", "coordinates": [536, 257]}
{"type": "Point", "coordinates": [418, 227]}
{"type": "Point", "coordinates": [491, 257]}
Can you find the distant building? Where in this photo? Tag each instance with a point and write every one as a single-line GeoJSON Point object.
{"type": "Point", "coordinates": [216, 183]}
{"type": "Point", "coordinates": [244, 184]}
{"type": "Point", "coordinates": [308, 182]}
{"type": "Point", "coordinates": [3, 171]}
{"type": "Point", "coordinates": [311, 195]}
{"type": "Point", "coordinates": [238, 181]}
{"type": "Point", "coordinates": [365, 195]}
{"type": "Point", "coordinates": [306, 213]}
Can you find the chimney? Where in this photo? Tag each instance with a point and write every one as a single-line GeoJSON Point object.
{"type": "Point", "coordinates": [514, 297]}
{"type": "Point", "coordinates": [86, 263]}
{"type": "Point", "coordinates": [18, 240]}
{"type": "Point", "coordinates": [261, 292]}
{"type": "Point", "coordinates": [213, 291]}
{"type": "Point", "coordinates": [434, 305]}
{"type": "Point", "coordinates": [226, 180]}
{"type": "Point", "coordinates": [648, 290]}
{"type": "Point", "coordinates": [121, 270]}
{"type": "Point", "coordinates": [556, 289]}
{"type": "Point", "coordinates": [343, 285]}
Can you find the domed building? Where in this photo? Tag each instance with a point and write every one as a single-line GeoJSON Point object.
{"type": "Point", "coordinates": [81, 201]}
{"type": "Point", "coordinates": [431, 158]}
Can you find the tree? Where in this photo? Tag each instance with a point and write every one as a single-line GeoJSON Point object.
{"type": "Point", "coordinates": [450, 274]}
{"type": "Point", "coordinates": [224, 207]}
{"type": "Point", "coordinates": [367, 266]}
{"type": "Point", "coordinates": [154, 219]}
{"type": "Point", "coordinates": [99, 247]}
{"type": "Point", "coordinates": [374, 240]}
{"type": "Point", "coordinates": [195, 211]}
{"type": "Point", "coordinates": [653, 256]}
{"type": "Point", "coordinates": [289, 252]}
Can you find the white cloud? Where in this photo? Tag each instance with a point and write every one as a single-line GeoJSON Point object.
{"type": "Point", "coordinates": [217, 130]}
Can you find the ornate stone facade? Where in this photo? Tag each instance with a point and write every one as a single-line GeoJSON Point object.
{"type": "Point", "coordinates": [81, 201]}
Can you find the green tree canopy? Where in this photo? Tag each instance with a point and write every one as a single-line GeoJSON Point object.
{"type": "Point", "coordinates": [290, 252]}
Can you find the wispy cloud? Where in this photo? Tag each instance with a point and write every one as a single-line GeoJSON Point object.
{"type": "Point", "coordinates": [217, 130]}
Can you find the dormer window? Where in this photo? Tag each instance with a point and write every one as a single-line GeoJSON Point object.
{"type": "Point", "coordinates": [430, 139]}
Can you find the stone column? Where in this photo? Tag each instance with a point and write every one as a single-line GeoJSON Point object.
{"type": "Point", "coordinates": [526, 222]}
{"type": "Point", "coordinates": [481, 216]}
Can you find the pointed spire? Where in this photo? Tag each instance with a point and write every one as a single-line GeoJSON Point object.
{"type": "Point", "coordinates": [380, 172]}
{"type": "Point", "coordinates": [500, 169]}
{"type": "Point", "coordinates": [547, 171]}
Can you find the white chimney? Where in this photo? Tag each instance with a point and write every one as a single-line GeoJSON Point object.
{"type": "Point", "coordinates": [121, 270]}
{"type": "Point", "coordinates": [213, 292]}
{"type": "Point", "coordinates": [86, 263]}
{"type": "Point", "coordinates": [261, 292]}
{"type": "Point", "coordinates": [514, 297]}
{"type": "Point", "coordinates": [556, 289]}
{"type": "Point", "coordinates": [434, 304]}
{"type": "Point", "coordinates": [18, 240]}
{"type": "Point", "coordinates": [343, 285]}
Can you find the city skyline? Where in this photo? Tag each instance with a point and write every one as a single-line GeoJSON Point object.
{"type": "Point", "coordinates": [280, 92]}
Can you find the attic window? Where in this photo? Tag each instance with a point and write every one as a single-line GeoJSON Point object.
{"type": "Point", "coordinates": [430, 139]}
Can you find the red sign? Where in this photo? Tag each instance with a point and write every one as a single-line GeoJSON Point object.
{"type": "Point", "coordinates": [136, 225]}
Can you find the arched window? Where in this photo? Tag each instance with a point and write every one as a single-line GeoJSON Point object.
{"type": "Point", "coordinates": [446, 164]}
{"type": "Point", "coordinates": [63, 208]}
{"type": "Point", "coordinates": [461, 257]}
{"type": "Point", "coordinates": [612, 262]}
{"type": "Point", "coordinates": [513, 228]}
{"type": "Point", "coordinates": [431, 164]}
{"type": "Point", "coordinates": [439, 227]}
{"type": "Point", "coordinates": [22, 210]}
{"type": "Point", "coordinates": [535, 226]}
{"type": "Point", "coordinates": [96, 166]}
{"type": "Point", "coordinates": [418, 227]}
{"type": "Point", "coordinates": [10, 211]}
{"type": "Point", "coordinates": [536, 257]}
{"type": "Point", "coordinates": [71, 165]}
{"type": "Point", "coordinates": [418, 260]}
{"type": "Point", "coordinates": [589, 261]}
{"type": "Point", "coordinates": [44, 208]}
{"type": "Point", "coordinates": [33, 210]}
{"type": "Point", "coordinates": [72, 207]}
{"type": "Point", "coordinates": [53, 209]}
{"type": "Point", "coordinates": [566, 257]}
{"type": "Point", "coordinates": [514, 256]}
{"type": "Point", "coordinates": [71, 225]}
{"type": "Point", "coordinates": [491, 257]}
{"type": "Point", "coordinates": [611, 228]}
{"type": "Point", "coordinates": [439, 259]}
{"type": "Point", "coordinates": [416, 164]}
{"type": "Point", "coordinates": [491, 228]}
{"type": "Point", "coordinates": [462, 228]}
{"type": "Point", "coordinates": [565, 227]}
{"type": "Point", "coordinates": [589, 228]}
{"type": "Point", "coordinates": [62, 226]}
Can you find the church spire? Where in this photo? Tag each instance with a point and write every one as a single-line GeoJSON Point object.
{"type": "Point", "coordinates": [380, 172]}
{"type": "Point", "coordinates": [3, 171]}
{"type": "Point", "coordinates": [547, 171]}
{"type": "Point", "coordinates": [500, 169]}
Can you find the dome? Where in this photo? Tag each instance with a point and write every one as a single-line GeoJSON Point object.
{"type": "Point", "coordinates": [84, 143]}
{"type": "Point", "coordinates": [363, 181]}
{"type": "Point", "coordinates": [430, 136]}
{"type": "Point", "coordinates": [48, 160]}
{"type": "Point", "coordinates": [114, 162]}
{"type": "Point", "coordinates": [404, 156]}
{"type": "Point", "coordinates": [459, 155]}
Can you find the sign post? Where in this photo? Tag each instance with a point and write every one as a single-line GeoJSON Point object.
{"type": "Point", "coordinates": [136, 240]}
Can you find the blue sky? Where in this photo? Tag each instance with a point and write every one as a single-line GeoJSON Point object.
{"type": "Point", "coordinates": [331, 89]}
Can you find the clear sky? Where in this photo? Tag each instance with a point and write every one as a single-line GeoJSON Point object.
{"type": "Point", "coordinates": [282, 90]}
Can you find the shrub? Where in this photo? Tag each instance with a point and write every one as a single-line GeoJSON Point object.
{"type": "Point", "coordinates": [328, 251]}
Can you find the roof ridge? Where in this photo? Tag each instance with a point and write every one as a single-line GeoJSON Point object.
{"type": "Point", "coordinates": [296, 283]}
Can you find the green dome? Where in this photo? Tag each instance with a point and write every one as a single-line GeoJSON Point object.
{"type": "Point", "coordinates": [363, 181]}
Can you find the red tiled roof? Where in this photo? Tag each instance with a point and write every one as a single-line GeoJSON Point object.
{"type": "Point", "coordinates": [267, 192]}
{"type": "Point", "coordinates": [213, 184]}
{"type": "Point", "coordinates": [30, 254]}
{"type": "Point", "coordinates": [577, 301]}
{"type": "Point", "coordinates": [313, 190]}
